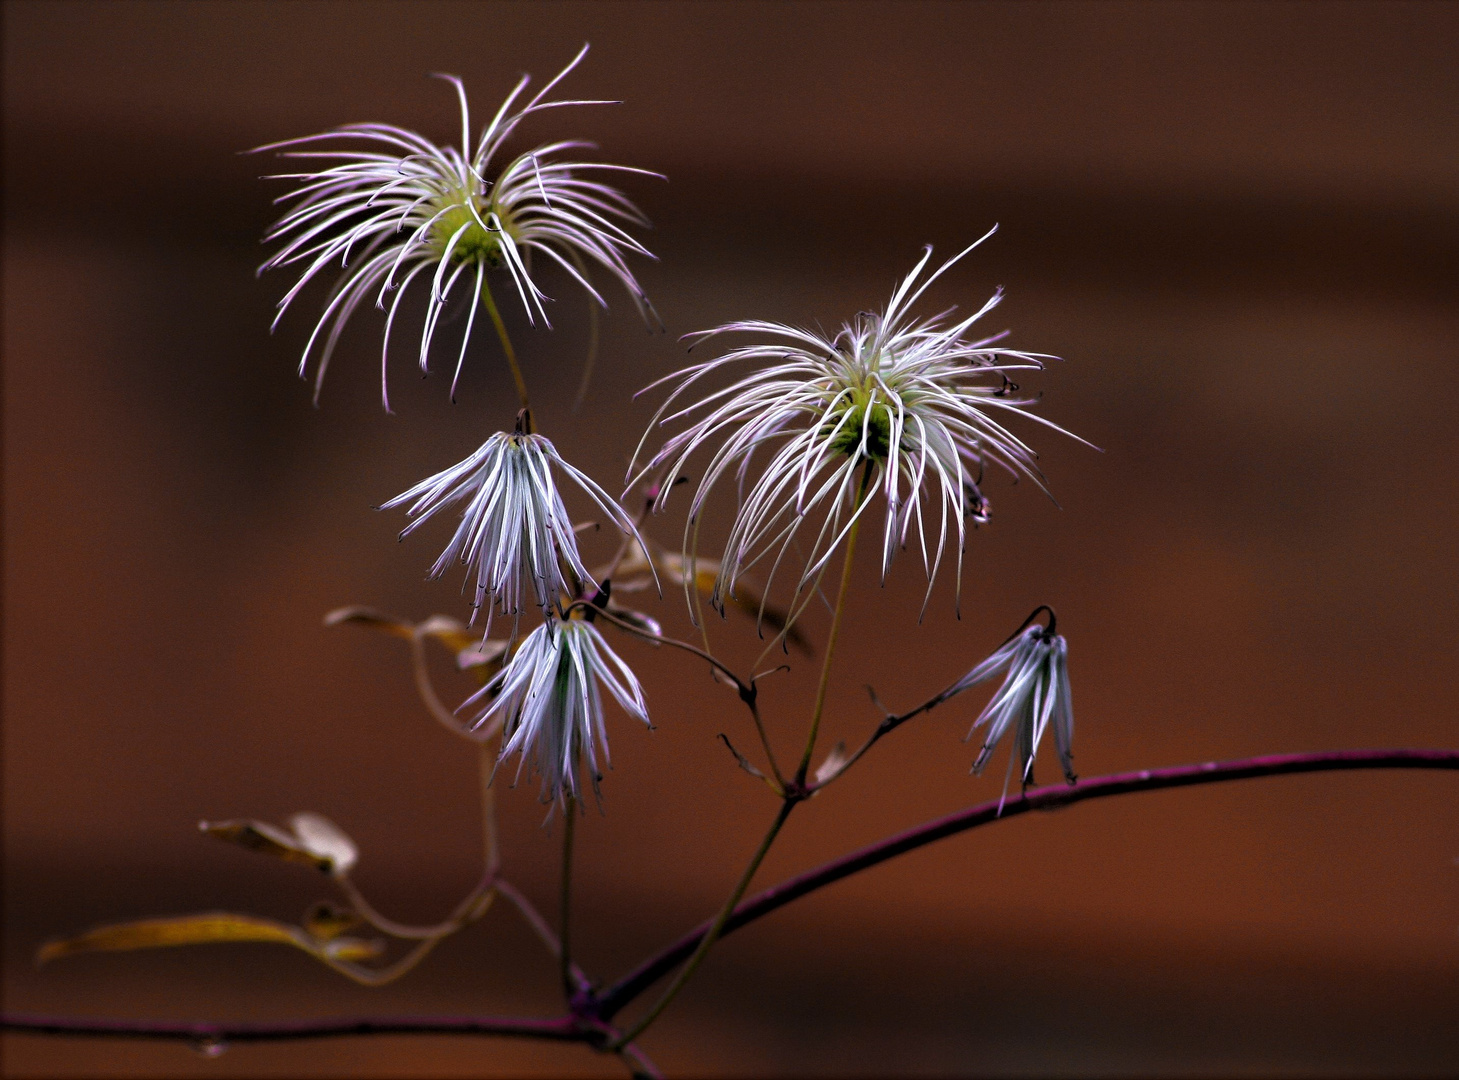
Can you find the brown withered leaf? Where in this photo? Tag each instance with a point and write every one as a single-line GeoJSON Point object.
{"type": "Point", "coordinates": [636, 619]}
{"type": "Point", "coordinates": [484, 659]}
{"type": "Point", "coordinates": [835, 761]}
{"type": "Point", "coordinates": [267, 839]}
{"type": "Point", "coordinates": [324, 839]}
{"type": "Point", "coordinates": [481, 658]}
{"type": "Point", "coordinates": [634, 576]}
{"type": "Point", "coordinates": [369, 617]}
{"type": "Point", "coordinates": [452, 633]}
{"type": "Point", "coordinates": [316, 841]}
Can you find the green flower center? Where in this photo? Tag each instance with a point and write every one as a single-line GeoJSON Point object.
{"type": "Point", "coordinates": [475, 244]}
{"type": "Point", "coordinates": [852, 417]}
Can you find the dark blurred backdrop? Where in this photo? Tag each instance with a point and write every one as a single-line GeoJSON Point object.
{"type": "Point", "coordinates": [1237, 223]}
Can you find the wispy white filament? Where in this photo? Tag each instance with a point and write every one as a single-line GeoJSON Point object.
{"type": "Point", "coordinates": [1034, 695]}
{"type": "Point", "coordinates": [515, 532]}
{"type": "Point", "coordinates": [549, 695]}
{"type": "Point", "coordinates": [914, 400]}
{"type": "Point", "coordinates": [394, 207]}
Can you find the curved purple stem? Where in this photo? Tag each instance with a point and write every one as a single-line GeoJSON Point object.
{"type": "Point", "coordinates": [615, 997]}
{"type": "Point", "coordinates": [591, 1027]}
{"type": "Point", "coordinates": [562, 1028]}
{"type": "Point", "coordinates": [207, 1034]}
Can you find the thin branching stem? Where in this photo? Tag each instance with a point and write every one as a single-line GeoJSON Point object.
{"type": "Point", "coordinates": [651, 495]}
{"type": "Point", "coordinates": [748, 692]}
{"type": "Point", "coordinates": [212, 1035]}
{"type": "Point", "coordinates": [474, 905]}
{"type": "Point", "coordinates": [658, 639]}
{"type": "Point", "coordinates": [564, 937]}
{"type": "Point", "coordinates": [426, 689]}
{"type": "Point", "coordinates": [543, 929]}
{"type": "Point", "coordinates": [564, 1028]}
{"type": "Point", "coordinates": [490, 837]}
{"type": "Point", "coordinates": [711, 935]}
{"type": "Point", "coordinates": [465, 912]}
{"type": "Point", "coordinates": [754, 706]}
{"type": "Point", "coordinates": [639, 1066]}
{"type": "Point", "coordinates": [367, 976]}
{"type": "Point", "coordinates": [890, 722]}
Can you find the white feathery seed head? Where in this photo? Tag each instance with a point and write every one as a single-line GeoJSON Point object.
{"type": "Point", "coordinates": [389, 206]}
{"type": "Point", "coordinates": [549, 695]}
{"type": "Point", "coordinates": [515, 534]}
{"type": "Point", "coordinates": [911, 407]}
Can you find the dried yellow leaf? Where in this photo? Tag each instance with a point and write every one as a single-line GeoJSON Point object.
{"type": "Point", "coordinates": [205, 929]}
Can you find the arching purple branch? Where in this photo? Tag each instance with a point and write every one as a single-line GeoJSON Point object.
{"type": "Point", "coordinates": [206, 1033]}
{"type": "Point", "coordinates": [591, 1026]}
{"type": "Point", "coordinates": [561, 1029]}
{"type": "Point", "coordinates": [615, 997]}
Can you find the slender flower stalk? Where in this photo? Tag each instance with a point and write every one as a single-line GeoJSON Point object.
{"type": "Point", "coordinates": [916, 398]}
{"type": "Point", "coordinates": [564, 935]}
{"type": "Point", "coordinates": [391, 207]}
{"type": "Point", "coordinates": [836, 615]}
{"type": "Point", "coordinates": [711, 935]}
{"type": "Point", "coordinates": [515, 532]}
{"type": "Point", "coordinates": [549, 695]}
{"type": "Point", "coordinates": [1034, 695]}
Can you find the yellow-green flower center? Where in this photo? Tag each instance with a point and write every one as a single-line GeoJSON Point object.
{"type": "Point", "coordinates": [475, 244]}
{"type": "Point", "coordinates": [861, 415]}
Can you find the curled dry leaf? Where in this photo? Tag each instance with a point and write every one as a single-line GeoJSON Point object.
{"type": "Point", "coordinates": [369, 617]}
{"type": "Point", "coordinates": [209, 928]}
{"type": "Point", "coordinates": [323, 838]}
{"type": "Point", "coordinates": [316, 841]}
{"type": "Point", "coordinates": [835, 761]}
{"type": "Point", "coordinates": [352, 950]}
{"type": "Point", "coordinates": [452, 633]}
{"type": "Point", "coordinates": [268, 840]}
{"type": "Point", "coordinates": [634, 576]}
{"type": "Point", "coordinates": [481, 658]}
{"type": "Point", "coordinates": [636, 619]}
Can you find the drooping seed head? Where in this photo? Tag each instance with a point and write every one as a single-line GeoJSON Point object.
{"type": "Point", "coordinates": [515, 535]}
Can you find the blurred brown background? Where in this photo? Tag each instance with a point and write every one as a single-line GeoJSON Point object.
{"type": "Point", "coordinates": [1238, 223]}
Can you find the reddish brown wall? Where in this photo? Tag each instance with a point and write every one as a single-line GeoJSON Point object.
{"type": "Point", "coordinates": [1238, 223]}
